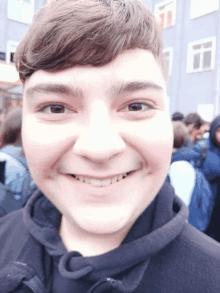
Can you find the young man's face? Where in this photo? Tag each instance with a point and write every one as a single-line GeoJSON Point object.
{"type": "Point", "coordinates": [191, 127]}
{"type": "Point", "coordinates": [205, 128]}
{"type": "Point", "coordinates": [217, 136]}
{"type": "Point", "coordinates": [98, 124]}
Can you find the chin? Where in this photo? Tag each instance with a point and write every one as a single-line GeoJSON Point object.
{"type": "Point", "coordinates": [102, 223]}
{"type": "Point", "coordinates": [97, 229]}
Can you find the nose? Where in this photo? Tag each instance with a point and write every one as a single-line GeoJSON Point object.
{"type": "Point", "coordinates": [99, 141]}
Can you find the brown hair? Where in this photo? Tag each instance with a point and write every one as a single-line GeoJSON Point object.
{"type": "Point", "coordinates": [11, 127]}
{"type": "Point", "coordinates": [180, 132]}
{"type": "Point", "coordinates": [66, 33]}
{"type": "Point", "coordinates": [193, 118]}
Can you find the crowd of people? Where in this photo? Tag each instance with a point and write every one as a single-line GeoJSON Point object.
{"type": "Point", "coordinates": [195, 169]}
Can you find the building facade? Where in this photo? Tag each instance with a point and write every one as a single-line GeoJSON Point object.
{"type": "Point", "coordinates": [15, 18]}
{"type": "Point", "coordinates": [192, 53]}
{"type": "Point", "coordinates": [192, 50]}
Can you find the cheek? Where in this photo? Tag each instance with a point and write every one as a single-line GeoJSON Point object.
{"type": "Point", "coordinates": [159, 152]}
{"type": "Point", "coordinates": [44, 143]}
{"type": "Point", "coordinates": [158, 135]}
{"type": "Point", "coordinates": [154, 141]}
{"type": "Point", "coordinates": [217, 137]}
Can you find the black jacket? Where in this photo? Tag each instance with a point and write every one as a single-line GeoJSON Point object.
{"type": "Point", "coordinates": [212, 172]}
{"type": "Point", "coordinates": [171, 257]}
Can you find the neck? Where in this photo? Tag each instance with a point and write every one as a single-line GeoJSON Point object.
{"type": "Point", "coordinates": [88, 244]}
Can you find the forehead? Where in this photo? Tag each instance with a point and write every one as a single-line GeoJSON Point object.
{"type": "Point", "coordinates": [132, 65]}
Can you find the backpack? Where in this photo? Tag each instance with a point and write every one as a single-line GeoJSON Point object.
{"type": "Point", "coordinates": [14, 195]}
{"type": "Point", "coordinates": [8, 202]}
{"type": "Point", "coordinates": [202, 199]}
{"type": "Point", "coordinates": [16, 184]}
{"type": "Point", "coordinates": [201, 203]}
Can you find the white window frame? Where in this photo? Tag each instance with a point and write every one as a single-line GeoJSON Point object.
{"type": "Point", "coordinates": [170, 50]}
{"type": "Point", "coordinates": [210, 8]}
{"type": "Point", "coordinates": [157, 11]}
{"type": "Point", "coordinates": [191, 52]}
{"type": "Point", "coordinates": [11, 48]}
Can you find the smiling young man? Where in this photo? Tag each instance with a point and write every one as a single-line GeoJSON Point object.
{"type": "Point", "coordinates": [98, 140]}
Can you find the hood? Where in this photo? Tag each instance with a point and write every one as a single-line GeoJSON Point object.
{"type": "Point", "coordinates": [214, 125]}
{"type": "Point", "coordinates": [167, 213]}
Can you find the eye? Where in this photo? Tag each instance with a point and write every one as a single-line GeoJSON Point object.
{"type": "Point", "coordinates": [53, 109]}
{"type": "Point", "coordinates": [138, 107]}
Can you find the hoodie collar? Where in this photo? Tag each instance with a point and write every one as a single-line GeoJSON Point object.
{"type": "Point", "coordinates": [169, 215]}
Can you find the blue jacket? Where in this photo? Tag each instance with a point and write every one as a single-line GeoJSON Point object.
{"type": "Point", "coordinates": [211, 166]}
{"type": "Point", "coordinates": [212, 172]}
{"type": "Point", "coordinates": [16, 169]}
{"type": "Point", "coordinates": [202, 197]}
{"type": "Point", "coordinates": [172, 257]}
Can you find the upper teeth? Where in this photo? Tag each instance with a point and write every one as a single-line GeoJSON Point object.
{"type": "Point", "coordinates": [105, 182]}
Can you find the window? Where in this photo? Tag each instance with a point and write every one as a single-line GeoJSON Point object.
{"type": "Point", "coordinates": [202, 7]}
{"type": "Point", "coordinates": [166, 11]}
{"type": "Point", "coordinates": [12, 57]}
{"type": "Point", "coordinates": [201, 55]}
{"type": "Point", "coordinates": [2, 56]}
{"type": "Point", "coordinates": [11, 48]}
{"type": "Point", "coordinates": [21, 10]}
{"type": "Point", "coordinates": [168, 59]}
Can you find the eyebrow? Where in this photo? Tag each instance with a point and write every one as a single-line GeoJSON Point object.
{"type": "Point", "coordinates": [61, 89]}
{"type": "Point", "coordinates": [134, 86]}
{"type": "Point", "coordinates": [69, 90]}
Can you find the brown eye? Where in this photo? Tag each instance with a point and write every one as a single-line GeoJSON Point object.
{"type": "Point", "coordinates": [135, 107]}
{"type": "Point", "coordinates": [57, 109]}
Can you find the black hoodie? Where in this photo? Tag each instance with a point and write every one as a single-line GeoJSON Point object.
{"type": "Point", "coordinates": [213, 127]}
{"type": "Point", "coordinates": [161, 253]}
{"type": "Point", "coordinates": [212, 165]}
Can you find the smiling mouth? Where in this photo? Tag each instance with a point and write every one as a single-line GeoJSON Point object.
{"type": "Point", "coordinates": [101, 183]}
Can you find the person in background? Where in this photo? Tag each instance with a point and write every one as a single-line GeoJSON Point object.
{"type": "Point", "coordinates": [211, 164]}
{"type": "Point", "coordinates": [213, 229]}
{"type": "Point", "coordinates": [189, 182]}
{"type": "Point", "coordinates": [16, 168]}
{"type": "Point", "coordinates": [202, 133]}
{"type": "Point", "coordinates": [182, 174]}
{"type": "Point", "coordinates": [193, 121]}
{"type": "Point", "coordinates": [211, 168]}
{"type": "Point", "coordinates": [180, 134]}
{"type": "Point", "coordinates": [11, 131]}
{"type": "Point", "coordinates": [177, 116]}
{"type": "Point", "coordinates": [205, 128]}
